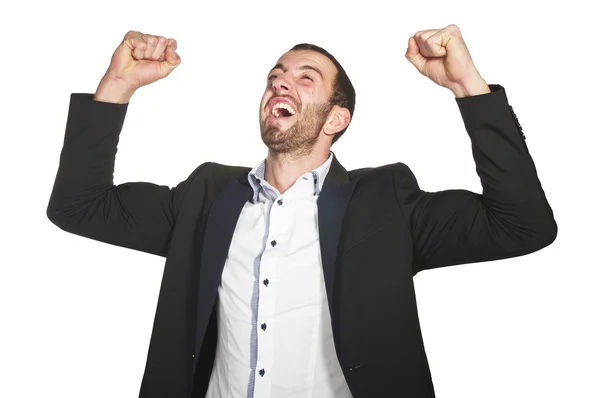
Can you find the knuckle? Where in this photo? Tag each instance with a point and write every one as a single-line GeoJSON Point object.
{"type": "Point", "coordinates": [453, 29]}
{"type": "Point", "coordinates": [131, 37]}
{"type": "Point", "coordinates": [162, 40]}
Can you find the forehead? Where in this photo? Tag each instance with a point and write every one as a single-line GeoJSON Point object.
{"type": "Point", "coordinates": [300, 58]}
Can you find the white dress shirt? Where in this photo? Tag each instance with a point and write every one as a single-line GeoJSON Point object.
{"type": "Point", "coordinates": [274, 326]}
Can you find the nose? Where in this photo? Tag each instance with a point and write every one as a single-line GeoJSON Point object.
{"type": "Point", "coordinates": [280, 83]}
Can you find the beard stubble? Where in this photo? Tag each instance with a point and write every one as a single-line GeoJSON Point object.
{"type": "Point", "coordinates": [301, 137]}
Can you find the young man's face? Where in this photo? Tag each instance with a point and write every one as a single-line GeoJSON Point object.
{"type": "Point", "coordinates": [295, 104]}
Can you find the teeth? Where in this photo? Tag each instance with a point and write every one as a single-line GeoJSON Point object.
{"type": "Point", "coordinates": [282, 105]}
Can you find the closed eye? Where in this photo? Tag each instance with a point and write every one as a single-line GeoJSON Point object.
{"type": "Point", "coordinates": [307, 77]}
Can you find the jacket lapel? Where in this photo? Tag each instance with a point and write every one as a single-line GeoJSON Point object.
{"type": "Point", "coordinates": [222, 219]}
{"type": "Point", "coordinates": [332, 203]}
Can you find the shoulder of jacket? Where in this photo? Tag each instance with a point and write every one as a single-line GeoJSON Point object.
{"type": "Point", "coordinates": [217, 171]}
{"type": "Point", "coordinates": [396, 168]}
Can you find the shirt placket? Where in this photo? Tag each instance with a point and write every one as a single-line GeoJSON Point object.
{"type": "Point", "coordinates": [265, 323]}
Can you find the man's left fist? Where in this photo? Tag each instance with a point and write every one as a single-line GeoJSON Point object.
{"type": "Point", "coordinates": [442, 56]}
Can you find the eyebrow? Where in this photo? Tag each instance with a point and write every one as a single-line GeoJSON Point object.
{"type": "Point", "coordinates": [303, 67]}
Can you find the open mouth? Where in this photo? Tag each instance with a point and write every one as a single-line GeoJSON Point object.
{"type": "Point", "coordinates": [282, 110]}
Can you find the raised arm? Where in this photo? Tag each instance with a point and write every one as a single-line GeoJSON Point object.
{"type": "Point", "coordinates": [84, 200]}
{"type": "Point", "coordinates": [512, 217]}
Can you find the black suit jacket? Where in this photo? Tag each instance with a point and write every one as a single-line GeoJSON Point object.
{"type": "Point", "coordinates": [377, 229]}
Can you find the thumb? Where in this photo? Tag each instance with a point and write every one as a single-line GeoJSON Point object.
{"type": "Point", "coordinates": [413, 54]}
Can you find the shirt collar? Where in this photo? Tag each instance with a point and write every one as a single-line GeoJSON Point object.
{"type": "Point", "coordinates": [257, 174]}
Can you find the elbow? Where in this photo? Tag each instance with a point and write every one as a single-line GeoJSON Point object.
{"type": "Point", "coordinates": [550, 230]}
{"type": "Point", "coordinates": [543, 236]}
{"type": "Point", "coordinates": [540, 230]}
{"type": "Point", "coordinates": [553, 231]}
{"type": "Point", "coordinates": [549, 234]}
{"type": "Point", "coordinates": [55, 215]}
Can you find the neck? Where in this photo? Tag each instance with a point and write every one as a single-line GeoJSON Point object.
{"type": "Point", "coordinates": [283, 169]}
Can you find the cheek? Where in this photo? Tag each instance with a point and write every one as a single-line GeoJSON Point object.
{"type": "Point", "coordinates": [312, 94]}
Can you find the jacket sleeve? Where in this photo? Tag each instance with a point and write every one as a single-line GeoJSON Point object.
{"type": "Point", "coordinates": [84, 199]}
{"type": "Point", "coordinates": [510, 218]}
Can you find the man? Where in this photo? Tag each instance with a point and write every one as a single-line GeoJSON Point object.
{"type": "Point", "coordinates": [295, 278]}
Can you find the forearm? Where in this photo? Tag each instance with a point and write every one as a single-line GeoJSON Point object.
{"type": "Point", "coordinates": [88, 155]}
{"type": "Point", "coordinates": [512, 192]}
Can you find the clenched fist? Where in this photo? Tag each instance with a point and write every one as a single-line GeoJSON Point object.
{"type": "Point", "coordinates": [442, 56]}
{"type": "Point", "coordinates": [141, 59]}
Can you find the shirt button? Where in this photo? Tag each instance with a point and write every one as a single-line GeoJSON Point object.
{"type": "Point", "coordinates": [280, 202]}
{"type": "Point", "coordinates": [273, 243]}
{"type": "Point", "coordinates": [266, 282]}
{"type": "Point", "coordinates": [261, 372]}
{"type": "Point", "coordinates": [263, 326]}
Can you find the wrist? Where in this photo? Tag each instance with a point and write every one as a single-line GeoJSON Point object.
{"type": "Point", "coordinates": [114, 90]}
{"type": "Point", "coordinates": [470, 88]}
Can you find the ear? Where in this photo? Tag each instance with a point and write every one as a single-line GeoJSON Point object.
{"type": "Point", "coordinates": [338, 119]}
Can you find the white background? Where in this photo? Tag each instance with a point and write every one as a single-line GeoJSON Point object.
{"type": "Point", "coordinates": [76, 315]}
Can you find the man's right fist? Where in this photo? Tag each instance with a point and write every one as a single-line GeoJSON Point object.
{"type": "Point", "coordinates": [139, 60]}
{"type": "Point", "coordinates": [142, 59]}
